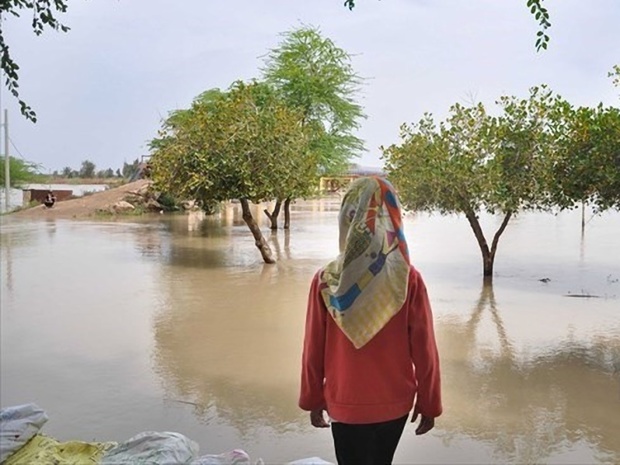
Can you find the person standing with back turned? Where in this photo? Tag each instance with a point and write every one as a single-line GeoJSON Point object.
{"type": "Point", "coordinates": [369, 354]}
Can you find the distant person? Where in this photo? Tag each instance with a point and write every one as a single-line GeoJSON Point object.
{"type": "Point", "coordinates": [369, 353]}
{"type": "Point", "coordinates": [50, 199]}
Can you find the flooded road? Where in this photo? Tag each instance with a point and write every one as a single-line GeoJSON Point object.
{"type": "Point", "coordinates": [174, 324]}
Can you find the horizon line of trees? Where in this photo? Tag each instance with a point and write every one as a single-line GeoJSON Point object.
{"type": "Point", "coordinates": [88, 170]}
{"type": "Point", "coordinates": [24, 171]}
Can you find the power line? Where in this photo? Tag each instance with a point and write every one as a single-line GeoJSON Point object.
{"type": "Point", "coordinates": [15, 147]}
{"type": "Point", "coordinates": [38, 166]}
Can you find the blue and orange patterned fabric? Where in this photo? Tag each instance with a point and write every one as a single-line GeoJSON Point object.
{"type": "Point", "coordinates": [366, 285]}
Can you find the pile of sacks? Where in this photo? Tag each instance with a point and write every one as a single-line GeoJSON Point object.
{"type": "Point", "coordinates": [22, 443]}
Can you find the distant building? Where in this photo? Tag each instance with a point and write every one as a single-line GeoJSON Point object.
{"type": "Point", "coordinates": [337, 183]}
{"type": "Point", "coordinates": [38, 192]}
{"type": "Point", "coordinates": [143, 169]}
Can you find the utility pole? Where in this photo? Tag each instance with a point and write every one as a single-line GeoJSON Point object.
{"type": "Point", "coordinates": [7, 162]}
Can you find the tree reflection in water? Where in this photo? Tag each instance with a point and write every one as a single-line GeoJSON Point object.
{"type": "Point", "coordinates": [529, 406]}
{"type": "Point", "coordinates": [230, 344]}
{"type": "Point", "coordinates": [228, 341]}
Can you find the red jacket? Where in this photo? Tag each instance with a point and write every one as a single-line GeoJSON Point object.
{"type": "Point", "coordinates": [379, 381]}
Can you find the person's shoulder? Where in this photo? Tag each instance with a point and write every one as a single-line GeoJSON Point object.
{"type": "Point", "coordinates": [414, 274]}
{"type": "Point", "coordinates": [316, 277]}
{"type": "Point", "coordinates": [416, 281]}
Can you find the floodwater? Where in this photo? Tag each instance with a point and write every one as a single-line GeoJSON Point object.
{"type": "Point", "coordinates": [173, 324]}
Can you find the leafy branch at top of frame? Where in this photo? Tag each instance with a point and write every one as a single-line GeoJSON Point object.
{"type": "Point", "coordinates": [43, 15]}
{"type": "Point", "coordinates": [536, 8]}
{"type": "Point", "coordinates": [542, 16]}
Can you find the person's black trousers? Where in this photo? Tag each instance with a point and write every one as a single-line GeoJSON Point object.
{"type": "Point", "coordinates": [369, 444]}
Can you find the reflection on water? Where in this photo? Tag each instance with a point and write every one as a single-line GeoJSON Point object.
{"type": "Point", "coordinates": [530, 405]}
{"type": "Point", "coordinates": [174, 323]}
{"type": "Point", "coordinates": [234, 342]}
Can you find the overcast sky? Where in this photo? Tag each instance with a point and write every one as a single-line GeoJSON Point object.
{"type": "Point", "coordinates": [101, 90]}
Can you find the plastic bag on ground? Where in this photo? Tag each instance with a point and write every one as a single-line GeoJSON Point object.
{"type": "Point", "coordinates": [310, 461]}
{"type": "Point", "coordinates": [18, 425]}
{"type": "Point", "coordinates": [234, 457]}
{"type": "Point", "coordinates": [153, 448]}
{"type": "Point", "coordinates": [46, 450]}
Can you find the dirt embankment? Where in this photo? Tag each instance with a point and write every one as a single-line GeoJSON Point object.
{"type": "Point", "coordinates": [87, 206]}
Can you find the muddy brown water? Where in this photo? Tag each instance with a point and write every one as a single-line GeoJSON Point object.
{"type": "Point", "coordinates": [173, 324]}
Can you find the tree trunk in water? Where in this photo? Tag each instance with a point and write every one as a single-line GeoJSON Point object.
{"type": "Point", "coordinates": [487, 259]}
{"type": "Point", "coordinates": [488, 255]}
{"type": "Point", "coordinates": [273, 217]}
{"type": "Point", "coordinates": [583, 218]}
{"type": "Point", "coordinates": [287, 243]}
{"type": "Point", "coordinates": [276, 244]}
{"type": "Point", "coordinates": [487, 266]}
{"type": "Point", "coordinates": [259, 240]}
{"type": "Point", "coordinates": [287, 213]}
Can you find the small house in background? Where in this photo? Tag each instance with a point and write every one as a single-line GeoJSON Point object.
{"type": "Point", "coordinates": [37, 192]}
{"type": "Point", "coordinates": [143, 169]}
{"type": "Point", "coordinates": [38, 195]}
{"type": "Point", "coordinates": [336, 183]}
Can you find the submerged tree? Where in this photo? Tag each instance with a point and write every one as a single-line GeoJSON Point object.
{"type": "Point", "coordinates": [239, 145]}
{"type": "Point", "coordinates": [587, 165]}
{"type": "Point", "coordinates": [474, 162]}
{"type": "Point", "coordinates": [315, 76]}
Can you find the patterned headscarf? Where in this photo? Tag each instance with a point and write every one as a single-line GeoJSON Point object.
{"type": "Point", "coordinates": [367, 284]}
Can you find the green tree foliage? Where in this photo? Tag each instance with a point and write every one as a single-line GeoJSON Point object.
{"type": "Point", "coordinates": [87, 170]}
{"type": "Point", "coordinates": [316, 76]}
{"type": "Point", "coordinates": [68, 172]}
{"type": "Point", "coordinates": [474, 162]}
{"type": "Point", "coordinates": [43, 15]}
{"type": "Point", "coordinates": [542, 16]}
{"type": "Point", "coordinates": [130, 168]}
{"type": "Point", "coordinates": [615, 75]}
{"type": "Point", "coordinates": [237, 145]}
{"type": "Point", "coordinates": [21, 171]}
{"type": "Point", "coordinates": [586, 166]}
{"type": "Point", "coordinates": [536, 8]}
{"type": "Point", "coordinates": [179, 121]}
{"type": "Point", "coordinates": [105, 174]}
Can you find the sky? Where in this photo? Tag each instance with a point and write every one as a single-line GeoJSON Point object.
{"type": "Point", "coordinates": [102, 89]}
